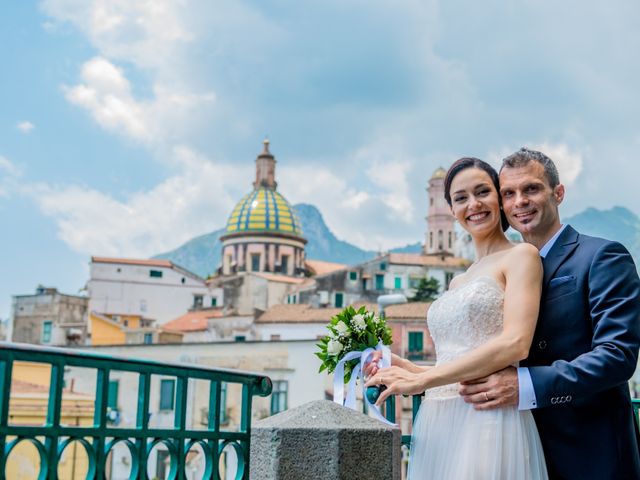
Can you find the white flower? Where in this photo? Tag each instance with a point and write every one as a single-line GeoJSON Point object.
{"type": "Point", "coordinates": [359, 322]}
{"type": "Point", "coordinates": [376, 319]}
{"type": "Point", "coordinates": [342, 329]}
{"type": "Point", "coordinates": [334, 347]}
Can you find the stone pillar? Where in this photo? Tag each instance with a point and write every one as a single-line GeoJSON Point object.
{"type": "Point", "coordinates": [321, 439]}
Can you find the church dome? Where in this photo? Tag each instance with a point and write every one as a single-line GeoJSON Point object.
{"type": "Point", "coordinates": [263, 210]}
{"type": "Point", "coordinates": [439, 173]}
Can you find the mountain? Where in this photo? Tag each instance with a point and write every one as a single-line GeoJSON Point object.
{"type": "Point", "coordinates": [202, 254]}
{"type": "Point", "coordinates": [617, 223]}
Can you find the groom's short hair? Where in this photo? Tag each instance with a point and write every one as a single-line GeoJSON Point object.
{"type": "Point", "coordinates": [523, 156]}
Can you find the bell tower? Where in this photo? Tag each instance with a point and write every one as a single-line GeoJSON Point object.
{"type": "Point", "coordinates": [265, 168]}
{"type": "Point", "coordinates": [441, 235]}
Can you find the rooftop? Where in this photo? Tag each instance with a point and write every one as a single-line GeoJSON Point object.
{"type": "Point", "coordinates": [193, 321]}
{"type": "Point", "coordinates": [303, 313]}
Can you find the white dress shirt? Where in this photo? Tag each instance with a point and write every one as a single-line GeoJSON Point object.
{"type": "Point", "coordinates": [527, 396]}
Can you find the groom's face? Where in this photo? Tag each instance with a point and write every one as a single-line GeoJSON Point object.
{"type": "Point", "coordinates": [529, 201]}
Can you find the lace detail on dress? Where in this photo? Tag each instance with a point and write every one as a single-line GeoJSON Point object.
{"type": "Point", "coordinates": [462, 319]}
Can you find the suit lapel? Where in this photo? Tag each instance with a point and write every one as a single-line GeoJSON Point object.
{"type": "Point", "coordinates": [565, 244]}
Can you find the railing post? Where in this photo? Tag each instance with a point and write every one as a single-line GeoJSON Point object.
{"type": "Point", "coordinates": [214, 424]}
{"type": "Point", "coordinates": [179, 422]}
{"type": "Point", "coordinates": [5, 390]}
{"type": "Point", "coordinates": [100, 420]}
{"type": "Point", "coordinates": [142, 423]}
{"type": "Point", "coordinates": [53, 419]}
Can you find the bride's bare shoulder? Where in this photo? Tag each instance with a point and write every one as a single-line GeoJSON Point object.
{"type": "Point", "coordinates": [523, 251]}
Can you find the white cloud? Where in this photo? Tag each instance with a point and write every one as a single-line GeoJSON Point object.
{"type": "Point", "coordinates": [193, 202]}
{"type": "Point", "coordinates": [107, 95]}
{"type": "Point", "coordinates": [25, 126]}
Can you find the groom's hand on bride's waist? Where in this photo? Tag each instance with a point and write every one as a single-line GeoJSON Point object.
{"type": "Point", "coordinates": [499, 389]}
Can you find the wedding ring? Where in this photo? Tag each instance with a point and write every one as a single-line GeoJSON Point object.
{"type": "Point", "coordinates": [486, 396]}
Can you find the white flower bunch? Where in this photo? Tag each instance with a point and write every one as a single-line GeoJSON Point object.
{"type": "Point", "coordinates": [351, 331]}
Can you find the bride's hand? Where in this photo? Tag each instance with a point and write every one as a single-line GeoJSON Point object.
{"type": "Point", "coordinates": [371, 367]}
{"type": "Point", "coordinates": [398, 382]}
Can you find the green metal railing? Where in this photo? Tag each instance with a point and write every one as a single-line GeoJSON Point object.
{"type": "Point", "coordinates": [99, 439]}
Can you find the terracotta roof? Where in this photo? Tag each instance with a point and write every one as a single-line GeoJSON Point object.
{"type": "Point", "coordinates": [304, 313]}
{"type": "Point", "coordinates": [319, 267]}
{"type": "Point", "coordinates": [133, 261]}
{"type": "Point", "coordinates": [407, 310]}
{"type": "Point", "coordinates": [274, 277]}
{"type": "Point", "coordinates": [193, 321]}
{"type": "Point", "coordinates": [427, 260]}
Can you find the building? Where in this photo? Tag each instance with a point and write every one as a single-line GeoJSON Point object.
{"type": "Point", "coordinates": [263, 255]}
{"type": "Point", "coordinates": [152, 289]}
{"type": "Point", "coordinates": [411, 338]}
{"type": "Point", "coordinates": [48, 317]}
{"type": "Point", "coordinates": [388, 273]}
{"type": "Point", "coordinates": [211, 325]}
{"type": "Point", "coordinates": [441, 234]}
{"type": "Point", "coordinates": [263, 233]}
{"type": "Point", "coordinates": [112, 329]}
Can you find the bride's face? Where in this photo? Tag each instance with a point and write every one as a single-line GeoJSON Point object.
{"type": "Point", "coordinates": [475, 202]}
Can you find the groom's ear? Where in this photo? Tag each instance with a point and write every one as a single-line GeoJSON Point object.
{"type": "Point", "coordinates": [558, 193]}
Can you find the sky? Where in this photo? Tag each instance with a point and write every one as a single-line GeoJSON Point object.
{"type": "Point", "coordinates": [129, 127]}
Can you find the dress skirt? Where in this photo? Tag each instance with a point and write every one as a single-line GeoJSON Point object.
{"type": "Point", "coordinates": [452, 441]}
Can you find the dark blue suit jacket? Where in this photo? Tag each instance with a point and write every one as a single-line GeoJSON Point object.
{"type": "Point", "coordinates": [584, 350]}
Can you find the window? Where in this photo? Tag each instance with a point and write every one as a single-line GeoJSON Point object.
{"type": "Point", "coordinates": [275, 336]}
{"type": "Point", "coordinates": [182, 280]}
{"type": "Point", "coordinates": [167, 392]}
{"type": "Point", "coordinates": [214, 302]}
{"type": "Point", "coordinates": [364, 284]}
{"type": "Point", "coordinates": [430, 239]}
{"type": "Point", "coordinates": [125, 323]}
{"type": "Point", "coordinates": [46, 331]}
{"type": "Point", "coordinates": [339, 299]}
{"type": "Point", "coordinates": [383, 266]}
{"type": "Point", "coordinates": [440, 240]}
{"type": "Point", "coordinates": [255, 262]}
{"type": "Point", "coordinates": [416, 341]}
{"type": "Point", "coordinates": [379, 281]}
{"type": "Point", "coordinates": [353, 276]}
{"type": "Point", "coordinates": [198, 300]}
{"type": "Point", "coordinates": [155, 273]}
{"type": "Point", "coordinates": [284, 264]}
{"type": "Point", "coordinates": [431, 202]}
{"type": "Point", "coordinates": [450, 239]}
{"type": "Point", "coordinates": [143, 305]}
{"type": "Point", "coordinates": [241, 338]}
{"type": "Point", "coordinates": [414, 282]}
{"type": "Point", "coordinates": [279, 396]}
{"type": "Point", "coordinates": [148, 338]}
{"type": "Point", "coordinates": [448, 276]}
{"type": "Point", "coordinates": [397, 283]}
{"type": "Point", "coordinates": [112, 398]}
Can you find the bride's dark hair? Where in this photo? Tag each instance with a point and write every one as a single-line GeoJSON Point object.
{"type": "Point", "coordinates": [472, 162]}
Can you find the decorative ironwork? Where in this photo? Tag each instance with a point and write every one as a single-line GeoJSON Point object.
{"type": "Point", "coordinates": [99, 439]}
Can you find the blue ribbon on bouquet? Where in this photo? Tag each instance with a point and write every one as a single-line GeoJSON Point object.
{"type": "Point", "coordinates": [338, 379]}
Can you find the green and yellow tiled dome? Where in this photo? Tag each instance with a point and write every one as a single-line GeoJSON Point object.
{"type": "Point", "coordinates": [264, 210]}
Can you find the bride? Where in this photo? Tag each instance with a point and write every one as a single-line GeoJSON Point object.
{"type": "Point", "coordinates": [483, 323]}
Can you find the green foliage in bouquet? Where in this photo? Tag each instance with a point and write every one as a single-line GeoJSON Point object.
{"type": "Point", "coordinates": [351, 330]}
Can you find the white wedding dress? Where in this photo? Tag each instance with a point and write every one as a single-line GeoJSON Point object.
{"type": "Point", "coordinates": [451, 440]}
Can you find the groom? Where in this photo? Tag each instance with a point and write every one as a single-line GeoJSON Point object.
{"type": "Point", "coordinates": [585, 347]}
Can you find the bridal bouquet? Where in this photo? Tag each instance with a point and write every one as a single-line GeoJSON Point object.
{"type": "Point", "coordinates": [353, 337]}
